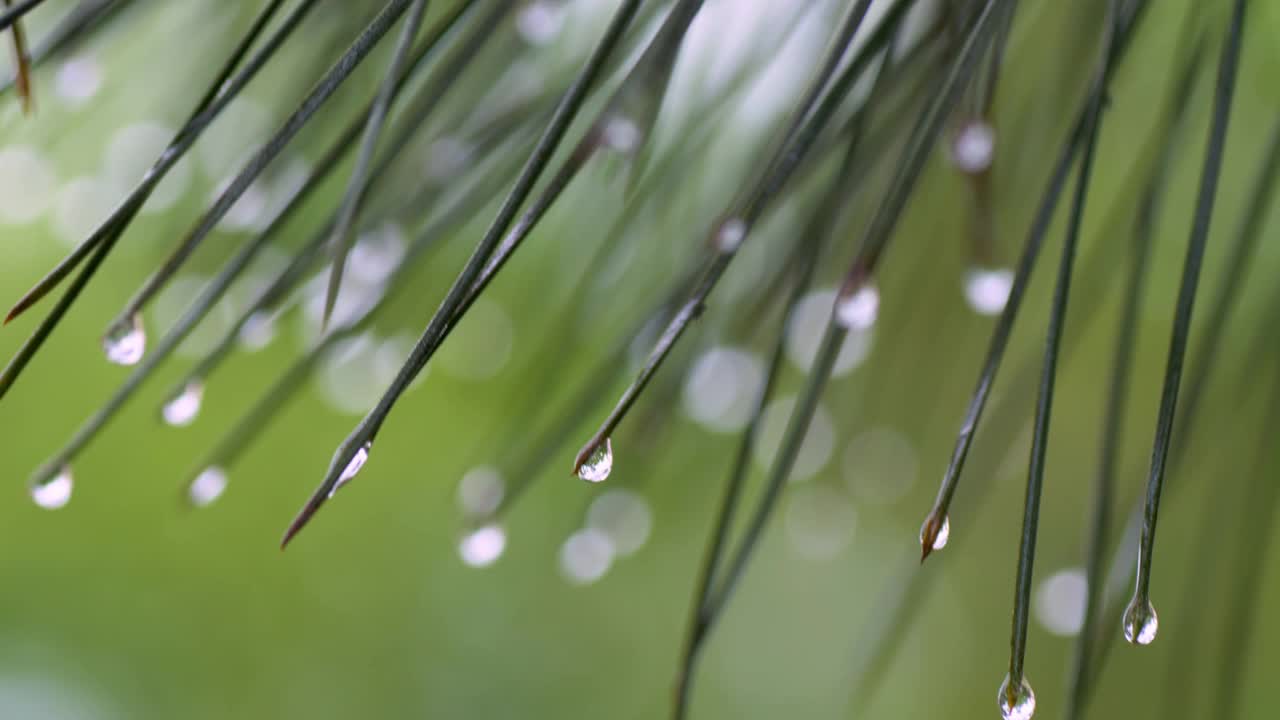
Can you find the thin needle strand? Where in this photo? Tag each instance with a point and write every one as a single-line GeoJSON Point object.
{"type": "Point", "coordinates": [1044, 405]}
{"type": "Point", "coordinates": [319, 95]}
{"type": "Point", "coordinates": [1140, 613]}
{"type": "Point", "coordinates": [938, 516]}
{"type": "Point", "coordinates": [342, 236]}
{"type": "Point", "coordinates": [362, 437]}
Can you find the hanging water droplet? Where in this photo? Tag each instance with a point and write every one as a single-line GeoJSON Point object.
{"type": "Point", "coordinates": [730, 234]}
{"type": "Point", "coordinates": [126, 342]}
{"type": "Point", "coordinates": [597, 467]}
{"type": "Point", "coordinates": [52, 493]}
{"type": "Point", "coordinates": [185, 406]}
{"type": "Point", "coordinates": [1140, 622]}
{"type": "Point", "coordinates": [620, 134]}
{"type": "Point", "coordinates": [1019, 704]}
{"type": "Point", "coordinates": [353, 467]}
{"type": "Point", "coordinates": [944, 533]}
{"type": "Point", "coordinates": [973, 147]}
{"type": "Point", "coordinates": [483, 546]}
{"type": "Point", "coordinates": [859, 310]}
{"type": "Point", "coordinates": [208, 486]}
{"type": "Point", "coordinates": [987, 289]}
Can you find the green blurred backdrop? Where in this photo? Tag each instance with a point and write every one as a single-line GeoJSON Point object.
{"type": "Point", "coordinates": [128, 604]}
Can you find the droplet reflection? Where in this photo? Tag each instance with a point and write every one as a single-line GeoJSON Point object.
{"type": "Point", "coordinates": [55, 492]}
{"type": "Point", "coordinates": [353, 467]}
{"type": "Point", "coordinates": [597, 467]}
{"type": "Point", "coordinates": [184, 407]}
{"type": "Point", "coordinates": [483, 546]}
{"type": "Point", "coordinates": [944, 533]}
{"type": "Point", "coordinates": [126, 343]}
{"type": "Point", "coordinates": [1017, 704]}
{"type": "Point", "coordinates": [1140, 622]}
{"type": "Point", "coordinates": [207, 487]}
{"type": "Point", "coordinates": [987, 289]}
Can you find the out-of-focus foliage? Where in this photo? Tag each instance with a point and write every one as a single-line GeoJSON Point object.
{"type": "Point", "coordinates": [130, 604]}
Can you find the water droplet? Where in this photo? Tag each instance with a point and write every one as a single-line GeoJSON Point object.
{"type": "Point", "coordinates": [258, 330]}
{"type": "Point", "coordinates": [125, 343]}
{"type": "Point", "coordinates": [1060, 602]}
{"type": "Point", "coordinates": [624, 516]}
{"type": "Point", "coordinates": [620, 134]}
{"type": "Point", "coordinates": [987, 289]}
{"type": "Point", "coordinates": [480, 491]}
{"type": "Point", "coordinates": [586, 556]}
{"type": "Point", "coordinates": [52, 493]}
{"type": "Point", "coordinates": [598, 466]}
{"type": "Point", "coordinates": [185, 406]}
{"type": "Point", "coordinates": [353, 467]}
{"type": "Point", "coordinates": [859, 310]}
{"type": "Point", "coordinates": [944, 533]}
{"type": "Point", "coordinates": [208, 486]}
{"type": "Point", "coordinates": [78, 80]}
{"type": "Point", "coordinates": [1019, 704]}
{"type": "Point", "coordinates": [974, 147]}
{"type": "Point", "coordinates": [483, 546]}
{"type": "Point", "coordinates": [806, 327]}
{"type": "Point", "coordinates": [720, 390]}
{"type": "Point", "coordinates": [730, 234]}
{"type": "Point", "coordinates": [1140, 622]}
{"type": "Point", "coordinates": [539, 22]}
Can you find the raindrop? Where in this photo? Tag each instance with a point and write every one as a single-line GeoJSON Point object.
{"type": "Point", "coordinates": [78, 80]}
{"type": "Point", "coordinates": [987, 289]}
{"type": "Point", "coordinates": [624, 516]}
{"type": "Point", "coordinates": [944, 533]}
{"type": "Point", "coordinates": [53, 493]}
{"type": "Point", "coordinates": [480, 491]}
{"type": "Point", "coordinates": [377, 254]}
{"type": "Point", "coordinates": [126, 342]}
{"type": "Point", "coordinates": [258, 330]}
{"type": "Point", "coordinates": [483, 546]}
{"type": "Point", "coordinates": [973, 147]}
{"type": "Point", "coordinates": [816, 448]}
{"type": "Point", "coordinates": [721, 389]}
{"type": "Point", "coordinates": [539, 22]}
{"type": "Point", "coordinates": [1060, 602]}
{"type": "Point", "coordinates": [808, 324]}
{"type": "Point", "coordinates": [1140, 622]}
{"type": "Point", "coordinates": [185, 406]}
{"type": "Point", "coordinates": [353, 467]}
{"type": "Point", "coordinates": [620, 134]}
{"type": "Point", "coordinates": [1017, 705]}
{"type": "Point", "coordinates": [599, 464]}
{"type": "Point", "coordinates": [207, 487]}
{"type": "Point", "coordinates": [586, 556]}
{"type": "Point", "coordinates": [730, 234]}
{"type": "Point", "coordinates": [859, 310]}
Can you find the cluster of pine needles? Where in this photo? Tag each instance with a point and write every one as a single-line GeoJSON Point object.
{"type": "Point", "coordinates": [899, 82]}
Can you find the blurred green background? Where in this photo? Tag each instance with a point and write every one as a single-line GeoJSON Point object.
{"type": "Point", "coordinates": [128, 604]}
